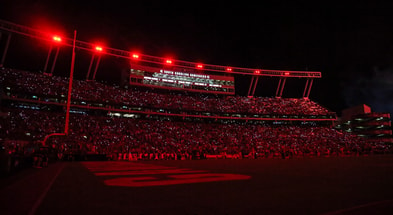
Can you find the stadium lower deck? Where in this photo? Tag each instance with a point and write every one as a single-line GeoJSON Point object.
{"type": "Point", "coordinates": [335, 185]}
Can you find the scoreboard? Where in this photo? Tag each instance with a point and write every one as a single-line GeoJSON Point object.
{"type": "Point", "coordinates": [185, 79]}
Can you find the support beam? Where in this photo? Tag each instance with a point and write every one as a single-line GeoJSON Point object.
{"type": "Point", "coordinates": [47, 58]}
{"type": "Point", "coordinates": [309, 88]}
{"type": "Point", "coordinates": [91, 64]}
{"type": "Point", "coordinates": [95, 70]}
{"type": "Point", "coordinates": [54, 61]}
{"type": "Point", "coordinates": [278, 87]}
{"type": "Point", "coordinates": [249, 88]}
{"type": "Point", "coordinates": [305, 88]}
{"type": "Point", "coordinates": [7, 44]}
{"type": "Point", "coordinates": [255, 85]}
{"type": "Point", "coordinates": [282, 86]}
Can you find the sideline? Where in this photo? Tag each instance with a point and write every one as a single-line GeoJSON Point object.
{"type": "Point", "coordinates": [42, 196]}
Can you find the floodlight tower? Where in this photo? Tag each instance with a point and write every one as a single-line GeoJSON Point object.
{"type": "Point", "coordinates": [55, 41]}
{"type": "Point", "coordinates": [254, 83]}
{"type": "Point", "coordinates": [307, 88]}
{"type": "Point", "coordinates": [281, 84]}
{"type": "Point", "coordinates": [96, 51]}
{"type": "Point", "coordinates": [135, 56]}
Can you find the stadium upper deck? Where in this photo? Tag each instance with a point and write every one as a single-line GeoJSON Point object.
{"type": "Point", "coordinates": [43, 89]}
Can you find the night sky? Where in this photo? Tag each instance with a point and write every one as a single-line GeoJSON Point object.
{"type": "Point", "coordinates": [351, 44]}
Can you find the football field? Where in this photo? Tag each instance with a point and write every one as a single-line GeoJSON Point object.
{"type": "Point", "coordinates": [349, 185]}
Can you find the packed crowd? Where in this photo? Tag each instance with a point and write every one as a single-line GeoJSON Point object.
{"type": "Point", "coordinates": [159, 139]}
{"type": "Point", "coordinates": [21, 83]}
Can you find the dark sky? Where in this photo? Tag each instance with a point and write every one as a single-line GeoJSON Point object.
{"type": "Point", "coordinates": [351, 44]}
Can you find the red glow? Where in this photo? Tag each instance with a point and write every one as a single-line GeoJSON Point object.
{"type": "Point", "coordinates": [143, 175]}
{"type": "Point", "coordinates": [99, 48]}
{"type": "Point", "coordinates": [57, 39]}
{"type": "Point", "coordinates": [135, 56]}
{"type": "Point", "coordinates": [199, 66]}
{"type": "Point", "coordinates": [169, 61]}
{"type": "Point", "coordinates": [229, 69]}
{"type": "Point", "coordinates": [257, 72]}
{"type": "Point", "coordinates": [286, 73]}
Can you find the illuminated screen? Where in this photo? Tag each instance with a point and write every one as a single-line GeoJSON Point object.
{"type": "Point", "coordinates": [182, 80]}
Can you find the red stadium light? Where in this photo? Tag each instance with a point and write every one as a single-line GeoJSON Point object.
{"type": "Point", "coordinates": [286, 73]}
{"type": "Point", "coordinates": [57, 39]}
{"type": "Point", "coordinates": [135, 56]}
{"type": "Point", "coordinates": [229, 69]}
{"type": "Point", "coordinates": [199, 66]}
{"type": "Point", "coordinates": [98, 48]}
{"type": "Point", "coordinates": [168, 61]}
{"type": "Point", "coordinates": [257, 72]}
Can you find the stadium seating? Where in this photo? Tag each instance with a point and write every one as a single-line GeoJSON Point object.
{"type": "Point", "coordinates": [22, 84]}
{"type": "Point", "coordinates": [106, 135]}
{"type": "Point", "coordinates": [164, 138]}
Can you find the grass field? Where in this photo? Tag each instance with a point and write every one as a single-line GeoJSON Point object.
{"type": "Point", "coordinates": [350, 185]}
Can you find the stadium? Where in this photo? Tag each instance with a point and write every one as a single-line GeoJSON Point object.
{"type": "Point", "coordinates": [175, 129]}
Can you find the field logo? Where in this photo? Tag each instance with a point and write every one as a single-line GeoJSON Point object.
{"type": "Point", "coordinates": [143, 175]}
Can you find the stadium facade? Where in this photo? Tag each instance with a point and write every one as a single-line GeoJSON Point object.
{"type": "Point", "coordinates": [361, 121]}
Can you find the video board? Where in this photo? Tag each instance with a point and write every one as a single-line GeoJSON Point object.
{"type": "Point", "coordinates": [182, 79]}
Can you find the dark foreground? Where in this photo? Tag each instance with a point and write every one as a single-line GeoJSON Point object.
{"type": "Point", "coordinates": [354, 185]}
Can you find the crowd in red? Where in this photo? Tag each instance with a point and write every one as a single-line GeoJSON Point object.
{"type": "Point", "coordinates": [167, 138]}
{"type": "Point", "coordinates": [158, 138]}
{"type": "Point", "coordinates": [26, 83]}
